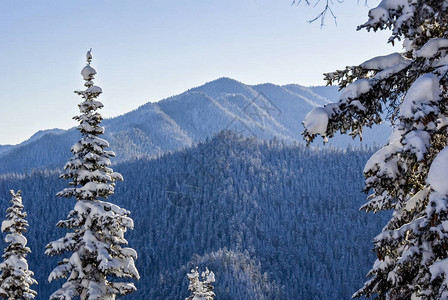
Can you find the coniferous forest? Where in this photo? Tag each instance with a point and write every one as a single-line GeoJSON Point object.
{"type": "Point", "coordinates": [272, 221]}
{"type": "Point", "coordinates": [254, 215]}
{"type": "Point", "coordinates": [267, 216]}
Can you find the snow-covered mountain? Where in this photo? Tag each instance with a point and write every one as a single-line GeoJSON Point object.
{"type": "Point", "coordinates": [264, 111]}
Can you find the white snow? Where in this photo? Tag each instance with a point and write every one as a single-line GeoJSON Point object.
{"type": "Point", "coordinates": [383, 11]}
{"type": "Point", "coordinates": [424, 89]}
{"type": "Point", "coordinates": [432, 47]}
{"type": "Point", "coordinates": [316, 121]}
{"type": "Point", "coordinates": [378, 14]}
{"type": "Point", "coordinates": [438, 173]}
{"type": "Point", "coordinates": [442, 121]}
{"type": "Point", "coordinates": [210, 277]}
{"type": "Point", "coordinates": [16, 262]}
{"type": "Point", "coordinates": [95, 175]}
{"type": "Point", "coordinates": [15, 238]}
{"type": "Point", "coordinates": [94, 90]}
{"type": "Point", "coordinates": [408, 44]}
{"type": "Point", "coordinates": [129, 252]}
{"type": "Point", "coordinates": [438, 269]}
{"type": "Point", "coordinates": [87, 72]}
{"type": "Point", "coordinates": [7, 223]}
{"type": "Point", "coordinates": [394, 4]}
{"type": "Point", "coordinates": [76, 263]}
{"type": "Point", "coordinates": [382, 160]}
{"type": "Point", "coordinates": [417, 141]}
{"type": "Point", "coordinates": [418, 197]}
{"type": "Point", "coordinates": [383, 62]}
{"type": "Point", "coordinates": [437, 203]}
{"type": "Point", "coordinates": [76, 147]}
{"type": "Point", "coordinates": [354, 90]}
{"type": "Point", "coordinates": [396, 135]}
{"type": "Point", "coordinates": [358, 105]}
{"type": "Point", "coordinates": [392, 70]}
{"type": "Point", "coordinates": [382, 265]}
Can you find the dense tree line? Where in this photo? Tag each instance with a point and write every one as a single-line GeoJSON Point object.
{"type": "Point", "coordinates": [268, 219]}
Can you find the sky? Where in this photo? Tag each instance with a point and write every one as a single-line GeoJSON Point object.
{"type": "Point", "coordinates": [148, 50]}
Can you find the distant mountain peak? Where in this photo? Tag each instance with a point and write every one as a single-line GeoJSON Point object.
{"type": "Point", "coordinates": [222, 80]}
{"type": "Point", "coordinates": [186, 119]}
{"type": "Point", "coordinates": [41, 133]}
{"type": "Point", "coordinates": [265, 85]}
{"type": "Point", "coordinates": [224, 86]}
{"type": "Point", "coordinates": [218, 83]}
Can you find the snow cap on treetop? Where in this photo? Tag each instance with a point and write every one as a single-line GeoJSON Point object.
{"type": "Point", "coordinates": [88, 72]}
{"type": "Point", "coordinates": [19, 192]}
{"type": "Point", "coordinates": [89, 55]}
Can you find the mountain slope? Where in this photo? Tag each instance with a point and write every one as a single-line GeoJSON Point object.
{"type": "Point", "coordinates": [264, 111]}
{"type": "Point", "coordinates": [5, 148]}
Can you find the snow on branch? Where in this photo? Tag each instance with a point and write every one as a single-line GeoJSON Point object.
{"type": "Point", "coordinates": [408, 174]}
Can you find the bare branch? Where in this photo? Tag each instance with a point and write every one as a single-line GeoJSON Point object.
{"type": "Point", "coordinates": [325, 8]}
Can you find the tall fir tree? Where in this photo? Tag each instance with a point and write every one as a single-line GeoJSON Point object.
{"type": "Point", "coordinates": [98, 227]}
{"type": "Point", "coordinates": [15, 277]}
{"type": "Point", "coordinates": [409, 174]}
{"type": "Point", "coordinates": [201, 289]}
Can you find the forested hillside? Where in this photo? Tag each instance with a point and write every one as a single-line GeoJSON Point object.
{"type": "Point", "coordinates": [265, 111]}
{"type": "Point", "coordinates": [272, 221]}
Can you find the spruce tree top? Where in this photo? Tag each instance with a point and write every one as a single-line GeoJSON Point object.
{"type": "Point", "coordinates": [15, 222]}
{"type": "Point", "coordinates": [98, 227]}
{"type": "Point", "coordinates": [89, 169]}
{"type": "Point", "coordinates": [15, 277]}
{"type": "Point", "coordinates": [201, 290]}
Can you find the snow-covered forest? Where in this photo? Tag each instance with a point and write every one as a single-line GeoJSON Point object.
{"type": "Point", "coordinates": [243, 206]}
{"type": "Point", "coordinates": [268, 219]}
{"type": "Point", "coordinates": [229, 202]}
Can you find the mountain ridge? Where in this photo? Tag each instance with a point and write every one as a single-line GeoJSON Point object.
{"type": "Point", "coordinates": [174, 123]}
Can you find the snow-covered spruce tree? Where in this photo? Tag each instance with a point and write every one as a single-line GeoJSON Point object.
{"type": "Point", "coordinates": [201, 290]}
{"type": "Point", "coordinates": [98, 227]}
{"type": "Point", "coordinates": [410, 174]}
{"type": "Point", "coordinates": [15, 278]}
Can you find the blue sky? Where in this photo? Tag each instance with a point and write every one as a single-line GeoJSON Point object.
{"type": "Point", "coordinates": [148, 50]}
